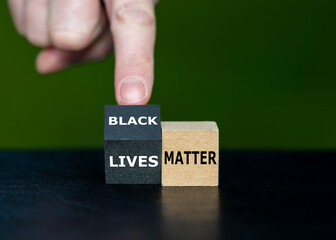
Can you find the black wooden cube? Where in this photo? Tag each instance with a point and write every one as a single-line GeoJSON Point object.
{"type": "Point", "coordinates": [133, 144]}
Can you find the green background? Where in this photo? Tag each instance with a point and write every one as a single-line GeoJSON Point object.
{"type": "Point", "coordinates": [263, 70]}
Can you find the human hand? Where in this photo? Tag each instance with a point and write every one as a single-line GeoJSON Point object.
{"type": "Point", "coordinates": [76, 31]}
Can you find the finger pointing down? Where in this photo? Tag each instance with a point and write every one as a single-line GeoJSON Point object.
{"type": "Point", "coordinates": [133, 30]}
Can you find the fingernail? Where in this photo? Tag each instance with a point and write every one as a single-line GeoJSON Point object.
{"type": "Point", "coordinates": [132, 90]}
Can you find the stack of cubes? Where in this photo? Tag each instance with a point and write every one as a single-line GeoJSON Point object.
{"type": "Point", "coordinates": [139, 149]}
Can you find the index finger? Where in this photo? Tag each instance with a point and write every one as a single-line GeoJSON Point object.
{"type": "Point", "coordinates": [133, 30]}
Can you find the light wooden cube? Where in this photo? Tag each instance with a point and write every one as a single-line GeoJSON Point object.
{"type": "Point", "coordinates": [190, 155]}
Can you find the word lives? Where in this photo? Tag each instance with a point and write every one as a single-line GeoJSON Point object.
{"type": "Point", "coordinates": [135, 161]}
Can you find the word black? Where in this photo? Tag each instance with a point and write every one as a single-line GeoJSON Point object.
{"type": "Point", "coordinates": [133, 121]}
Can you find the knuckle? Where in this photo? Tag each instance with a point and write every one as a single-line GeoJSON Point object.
{"type": "Point", "coordinates": [139, 59]}
{"type": "Point", "coordinates": [133, 13]}
{"type": "Point", "coordinates": [37, 40]}
{"type": "Point", "coordinates": [70, 40]}
{"type": "Point", "coordinates": [145, 58]}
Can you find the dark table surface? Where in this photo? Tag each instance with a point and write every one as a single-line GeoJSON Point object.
{"type": "Point", "coordinates": [262, 195]}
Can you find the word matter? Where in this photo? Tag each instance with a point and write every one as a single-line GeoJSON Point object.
{"type": "Point", "coordinates": [190, 157]}
{"type": "Point", "coordinates": [190, 154]}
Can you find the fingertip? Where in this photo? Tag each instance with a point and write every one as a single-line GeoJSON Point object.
{"type": "Point", "coordinates": [49, 61]}
{"type": "Point", "coordinates": [42, 62]}
{"type": "Point", "coordinates": [133, 91]}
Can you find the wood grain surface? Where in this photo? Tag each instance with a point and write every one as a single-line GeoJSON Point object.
{"type": "Point", "coordinates": [183, 138]}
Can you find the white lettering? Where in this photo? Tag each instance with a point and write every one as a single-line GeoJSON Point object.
{"type": "Point", "coordinates": [111, 162]}
{"type": "Point", "coordinates": [122, 161]}
{"type": "Point", "coordinates": [140, 122]}
{"type": "Point", "coordinates": [141, 161]}
{"type": "Point", "coordinates": [133, 121]}
{"type": "Point", "coordinates": [152, 120]}
{"type": "Point", "coordinates": [153, 161]}
{"type": "Point", "coordinates": [113, 121]}
{"type": "Point", "coordinates": [121, 121]}
{"type": "Point", "coordinates": [131, 162]}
